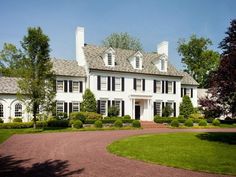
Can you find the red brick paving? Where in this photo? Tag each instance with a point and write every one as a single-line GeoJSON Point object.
{"type": "Point", "coordinates": [82, 154]}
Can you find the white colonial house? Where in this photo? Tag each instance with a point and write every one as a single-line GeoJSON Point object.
{"type": "Point", "coordinates": [140, 84]}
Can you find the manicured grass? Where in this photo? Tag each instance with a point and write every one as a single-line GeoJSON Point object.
{"type": "Point", "coordinates": [6, 133]}
{"type": "Point", "coordinates": [209, 152]}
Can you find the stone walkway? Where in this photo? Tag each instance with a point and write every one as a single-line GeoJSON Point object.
{"type": "Point", "coordinates": [82, 154]}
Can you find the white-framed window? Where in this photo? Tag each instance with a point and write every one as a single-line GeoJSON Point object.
{"type": "Point", "coordinates": [75, 86]}
{"type": "Point", "coordinates": [103, 107]}
{"type": "Point", "coordinates": [60, 107]}
{"type": "Point", "coordinates": [1, 110]}
{"type": "Point", "coordinates": [158, 108]}
{"type": "Point", "coordinates": [170, 87]}
{"type": "Point", "coordinates": [158, 86]}
{"type": "Point", "coordinates": [188, 92]}
{"type": "Point", "coordinates": [75, 106]}
{"type": "Point", "coordinates": [60, 85]}
{"type": "Point", "coordinates": [118, 105]}
{"type": "Point", "coordinates": [118, 84]}
{"type": "Point", "coordinates": [103, 83]}
{"type": "Point", "coordinates": [18, 110]}
{"type": "Point", "coordinates": [137, 62]}
{"type": "Point", "coordinates": [139, 84]}
{"type": "Point", "coordinates": [109, 59]}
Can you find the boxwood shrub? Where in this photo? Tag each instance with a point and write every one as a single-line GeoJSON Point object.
{"type": "Point", "coordinates": [77, 124]}
{"type": "Point", "coordinates": [188, 123]}
{"type": "Point", "coordinates": [17, 119]}
{"type": "Point", "coordinates": [136, 124]}
{"type": "Point", "coordinates": [1, 121]}
{"type": "Point", "coordinates": [89, 121]}
{"type": "Point", "coordinates": [77, 116]}
{"type": "Point", "coordinates": [126, 117]}
{"type": "Point", "coordinates": [174, 123]}
{"type": "Point", "coordinates": [92, 115]}
{"type": "Point", "coordinates": [202, 123]}
{"type": "Point", "coordinates": [216, 122]}
{"type": "Point", "coordinates": [98, 124]}
{"type": "Point", "coordinates": [58, 123]}
{"type": "Point", "coordinates": [118, 123]}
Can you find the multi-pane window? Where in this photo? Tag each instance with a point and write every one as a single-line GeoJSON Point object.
{"type": "Point", "coordinates": [59, 85]}
{"type": "Point", "coordinates": [188, 92]}
{"type": "Point", "coordinates": [109, 59]}
{"type": "Point", "coordinates": [75, 86]}
{"type": "Point", "coordinates": [18, 110]}
{"type": "Point", "coordinates": [1, 110]}
{"type": "Point", "coordinates": [60, 107]}
{"type": "Point", "coordinates": [170, 87]}
{"type": "Point", "coordinates": [117, 104]}
{"type": "Point", "coordinates": [118, 83]}
{"type": "Point", "coordinates": [138, 84]}
{"type": "Point", "coordinates": [103, 104]}
{"type": "Point", "coordinates": [137, 62]}
{"type": "Point", "coordinates": [103, 83]}
{"type": "Point", "coordinates": [75, 107]}
{"type": "Point", "coordinates": [158, 108]}
{"type": "Point", "coordinates": [158, 86]}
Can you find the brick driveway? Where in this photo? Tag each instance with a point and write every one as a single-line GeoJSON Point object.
{"type": "Point", "coordinates": [81, 154]}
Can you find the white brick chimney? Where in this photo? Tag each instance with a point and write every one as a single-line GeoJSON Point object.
{"type": "Point", "coordinates": [79, 37]}
{"type": "Point", "coordinates": [162, 48]}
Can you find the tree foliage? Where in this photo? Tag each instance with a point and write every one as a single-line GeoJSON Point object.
{"type": "Point", "coordinates": [89, 102]}
{"type": "Point", "coordinates": [186, 107]}
{"type": "Point", "coordinates": [198, 60]}
{"type": "Point", "coordinates": [122, 41]}
{"type": "Point", "coordinates": [37, 83]}
{"type": "Point", "coordinates": [167, 111]}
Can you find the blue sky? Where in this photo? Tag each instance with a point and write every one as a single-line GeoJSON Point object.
{"type": "Point", "coordinates": [152, 21]}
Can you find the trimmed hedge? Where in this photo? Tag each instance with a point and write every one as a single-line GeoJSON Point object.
{"type": "Point", "coordinates": [202, 123]}
{"type": "Point", "coordinates": [228, 121]}
{"type": "Point", "coordinates": [16, 125]}
{"type": "Point", "coordinates": [174, 123]}
{"type": "Point", "coordinates": [77, 124]}
{"type": "Point", "coordinates": [136, 124]}
{"type": "Point", "coordinates": [188, 123]}
{"type": "Point", "coordinates": [58, 123]}
{"type": "Point", "coordinates": [77, 116]}
{"type": "Point", "coordinates": [108, 121]}
{"type": "Point", "coordinates": [17, 120]}
{"type": "Point", "coordinates": [92, 115]}
{"type": "Point", "coordinates": [98, 124]}
{"type": "Point", "coordinates": [118, 123]}
{"type": "Point", "coordinates": [126, 117]}
{"type": "Point", "coordinates": [216, 122]}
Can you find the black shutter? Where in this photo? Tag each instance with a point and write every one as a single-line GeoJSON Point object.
{"type": "Point", "coordinates": [65, 85]}
{"type": "Point", "coordinates": [154, 86]}
{"type": "Point", "coordinates": [174, 109]}
{"type": "Point", "coordinates": [154, 108]}
{"type": "Point", "coordinates": [113, 103]}
{"type": "Point", "coordinates": [81, 87]}
{"type": "Point", "coordinates": [134, 83]}
{"type": "Point", "coordinates": [123, 108]}
{"type": "Point", "coordinates": [109, 83]}
{"type": "Point", "coordinates": [174, 87]}
{"type": "Point", "coordinates": [143, 84]}
{"type": "Point", "coordinates": [109, 103]}
{"type": "Point", "coordinates": [182, 92]}
{"type": "Point", "coordinates": [162, 107]}
{"type": "Point", "coordinates": [99, 82]}
{"type": "Point", "coordinates": [113, 83]}
{"type": "Point", "coordinates": [70, 86]}
{"type": "Point", "coordinates": [166, 86]}
{"type": "Point", "coordinates": [163, 86]}
{"type": "Point", "coordinates": [98, 106]}
{"type": "Point", "coordinates": [123, 83]}
{"type": "Point", "coordinates": [70, 107]}
{"type": "Point", "coordinates": [65, 107]}
{"type": "Point", "coordinates": [191, 93]}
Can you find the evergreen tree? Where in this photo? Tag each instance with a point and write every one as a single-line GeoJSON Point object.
{"type": "Point", "coordinates": [89, 102]}
{"type": "Point", "coordinates": [37, 83]}
{"type": "Point", "coordinates": [167, 111]}
{"type": "Point", "coordinates": [186, 107]}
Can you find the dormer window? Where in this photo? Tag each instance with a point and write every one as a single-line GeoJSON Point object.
{"type": "Point", "coordinates": [109, 59]}
{"type": "Point", "coordinates": [137, 62]}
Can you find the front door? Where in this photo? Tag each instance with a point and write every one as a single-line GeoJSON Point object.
{"type": "Point", "coordinates": [137, 112]}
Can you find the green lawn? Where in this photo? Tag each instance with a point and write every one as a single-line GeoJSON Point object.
{"type": "Point", "coordinates": [210, 152]}
{"type": "Point", "coordinates": [6, 133]}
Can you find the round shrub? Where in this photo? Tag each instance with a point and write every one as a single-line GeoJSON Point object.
{"type": "Point", "coordinates": [1, 121]}
{"type": "Point", "coordinates": [92, 115]}
{"type": "Point", "coordinates": [113, 111]}
{"type": "Point", "coordinates": [118, 123]}
{"type": "Point", "coordinates": [196, 116]}
{"type": "Point", "coordinates": [77, 116]}
{"type": "Point", "coordinates": [98, 124]}
{"type": "Point", "coordinates": [216, 122]}
{"type": "Point", "coordinates": [17, 120]}
{"type": "Point", "coordinates": [202, 123]}
{"type": "Point", "coordinates": [188, 123]}
{"type": "Point", "coordinates": [174, 123]}
{"type": "Point", "coordinates": [180, 117]}
{"type": "Point", "coordinates": [136, 124]}
{"type": "Point", "coordinates": [126, 117]}
{"type": "Point", "coordinates": [77, 124]}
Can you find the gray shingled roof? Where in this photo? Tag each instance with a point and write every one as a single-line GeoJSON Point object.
{"type": "Point", "coordinates": [188, 80]}
{"type": "Point", "coordinates": [8, 85]}
{"type": "Point", "coordinates": [93, 55]}
{"type": "Point", "coordinates": [67, 68]}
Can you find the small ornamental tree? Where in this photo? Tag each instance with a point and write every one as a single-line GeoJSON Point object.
{"type": "Point", "coordinates": [89, 102]}
{"type": "Point", "coordinates": [167, 111]}
{"type": "Point", "coordinates": [113, 111]}
{"type": "Point", "coordinates": [186, 107]}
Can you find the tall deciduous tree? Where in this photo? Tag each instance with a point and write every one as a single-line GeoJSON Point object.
{"type": "Point", "coordinates": [89, 102]}
{"type": "Point", "coordinates": [198, 60]}
{"type": "Point", "coordinates": [122, 41]}
{"type": "Point", "coordinates": [37, 84]}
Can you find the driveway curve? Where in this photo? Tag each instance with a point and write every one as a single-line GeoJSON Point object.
{"type": "Point", "coordinates": [82, 154]}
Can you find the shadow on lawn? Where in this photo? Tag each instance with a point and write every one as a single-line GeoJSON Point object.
{"type": "Point", "coordinates": [228, 138]}
{"type": "Point", "coordinates": [11, 167]}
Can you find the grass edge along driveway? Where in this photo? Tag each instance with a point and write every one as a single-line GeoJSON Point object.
{"type": "Point", "coordinates": [207, 152]}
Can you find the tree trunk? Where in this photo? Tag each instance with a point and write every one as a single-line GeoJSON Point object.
{"type": "Point", "coordinates": [34, 120]}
